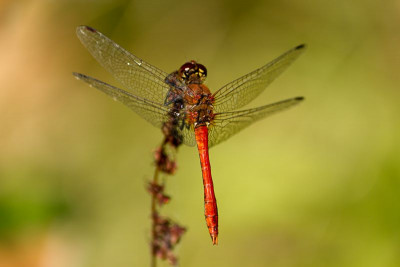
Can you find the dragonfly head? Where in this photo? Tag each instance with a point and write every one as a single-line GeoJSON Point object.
{"type": "Point", "coordinates": [192, 72]}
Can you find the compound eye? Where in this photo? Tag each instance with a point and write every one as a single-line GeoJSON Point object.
{"type": "Point", "coordinates": [187, 69]}
{"type": "Point", "coordinates": [202, 71]}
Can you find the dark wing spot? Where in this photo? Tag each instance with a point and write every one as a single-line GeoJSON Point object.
{"type": "Point", "coordinates": [300, 46]}
{"type": "Point", "coordinates": [90, 29]}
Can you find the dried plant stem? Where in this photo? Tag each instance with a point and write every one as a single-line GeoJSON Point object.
{"type": "Point", "coordinates": [153, 213]}
{"type": "Point", "coordinates": [165, 233]}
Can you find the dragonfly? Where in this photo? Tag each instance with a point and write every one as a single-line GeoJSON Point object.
{"type": "Point", "coordinates": [198, 116]}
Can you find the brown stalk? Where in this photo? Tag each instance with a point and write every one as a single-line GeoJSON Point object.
{"type": "Point", "coordinates": [165, 233]}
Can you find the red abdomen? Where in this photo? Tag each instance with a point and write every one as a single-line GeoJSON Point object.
{"type": "Point", "coordinates": [210, 203]}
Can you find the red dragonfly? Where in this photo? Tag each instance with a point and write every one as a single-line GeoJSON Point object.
{"type": "Point", "coordinates": [199, 116]}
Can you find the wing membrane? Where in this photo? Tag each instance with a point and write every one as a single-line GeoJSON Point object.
{"type": "Point", "coordinates": [188, 136]}
{"type": "Point", "coordinates": [138, 76]}
{"type": "Point", "coordinates": [229, 123]}
{"type": "Point", "coordinates": [154, 113]}
{"type": "Point", "coordinates": [242, 91]}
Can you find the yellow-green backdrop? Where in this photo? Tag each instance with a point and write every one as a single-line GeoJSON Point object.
{"type": "Point", "coordinates": [317, 185]}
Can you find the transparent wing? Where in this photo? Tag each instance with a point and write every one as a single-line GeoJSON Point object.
{"type": "Point", "coordinates": [240, 92]}
{"type": "Point", "coordinates": [188, 136]}
{"type": "Point", "coordinates": [139, 77]}
{"type": "Point", "coordinates": [154, 113]}
{"type": "Point", "coordinates": [229, 123]}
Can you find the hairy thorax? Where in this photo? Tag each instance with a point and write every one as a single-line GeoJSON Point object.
{"type": "Point", "coordinates": [192, 101]}
{"type": "Point", "coordinates": [198, 104]}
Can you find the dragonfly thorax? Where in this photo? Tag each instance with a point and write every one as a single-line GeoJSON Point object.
{"type": "Point", "coordinates": [191, 99]}
{"type": "Point", "coordinates": [199, 106]}
{"type": "Point", "coordinates": [187, 84]}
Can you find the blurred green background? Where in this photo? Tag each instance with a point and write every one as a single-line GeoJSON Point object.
{"type": "Point", "coordinates": [318, 185]}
